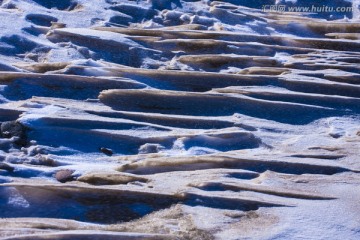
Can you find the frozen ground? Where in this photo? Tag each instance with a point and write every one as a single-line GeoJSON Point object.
{"type": "Point", "coordinates": [178, 120]}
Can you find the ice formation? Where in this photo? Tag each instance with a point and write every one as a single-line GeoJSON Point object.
{"type": "Point", "coordinates": [183, 119]}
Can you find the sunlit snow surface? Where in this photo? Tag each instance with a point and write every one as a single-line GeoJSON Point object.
{"type": "Point", "coordinates": [179, 120]}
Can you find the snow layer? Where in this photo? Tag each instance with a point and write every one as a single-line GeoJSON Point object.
{"type": "Point", "coordinates": [174, 119]}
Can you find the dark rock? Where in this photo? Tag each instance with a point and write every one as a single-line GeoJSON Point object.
{"type": "Point", "coordinates": [14, 129]}
{"type": "Point", "coordinates": [6, 167]}
{"type": "Point", "coordinates": [64, 176]}
{"type": "Point", "coordinates": [107, 151]}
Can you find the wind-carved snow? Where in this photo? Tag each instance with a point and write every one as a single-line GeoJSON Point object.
{"type": "Point", "coordinates": [178, 120]}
